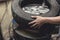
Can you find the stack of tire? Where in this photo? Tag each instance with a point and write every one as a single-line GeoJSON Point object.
{"type": "Point", "coordinates": [23, 18]}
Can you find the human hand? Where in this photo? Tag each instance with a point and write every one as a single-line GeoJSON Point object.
{"type": "Point", "coordinates": [38, 22]}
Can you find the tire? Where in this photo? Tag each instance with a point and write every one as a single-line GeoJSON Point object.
{"type": "Point", "coordinates": [23, 18]}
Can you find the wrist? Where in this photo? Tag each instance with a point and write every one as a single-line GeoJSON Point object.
{"type": "Point", "coordinates": [46, 20]}
{"type": "Point", "coordinates": [50, 19]}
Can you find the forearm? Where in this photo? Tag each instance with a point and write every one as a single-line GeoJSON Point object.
{"type": "Point", "coordinates": [53, 20]}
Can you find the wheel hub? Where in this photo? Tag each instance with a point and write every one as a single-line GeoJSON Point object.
{"type": "Point", "coordinates": [34, 9]}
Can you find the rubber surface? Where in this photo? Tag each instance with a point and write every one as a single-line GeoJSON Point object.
{"type": "Point", "coordinates": [23, 18]}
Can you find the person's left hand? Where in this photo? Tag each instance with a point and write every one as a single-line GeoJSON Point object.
{"type": "Point", "coordinates": [38, 22]}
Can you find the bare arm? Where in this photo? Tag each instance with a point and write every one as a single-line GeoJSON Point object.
{"type": "Point", "coordinates": [53, 20]}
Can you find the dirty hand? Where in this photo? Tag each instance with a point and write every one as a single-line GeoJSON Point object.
{"type": "Point", "coordinates": [38, 22]}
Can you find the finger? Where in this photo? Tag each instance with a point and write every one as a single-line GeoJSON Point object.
{"type": "Point", "coordinates": [34, 16]}
{"type": "Point", "coordinates": [31, 22]}
{"type": "Point", "coordinates": [40, 26]}
{"type": "Point", "coordinates": [34, 25]}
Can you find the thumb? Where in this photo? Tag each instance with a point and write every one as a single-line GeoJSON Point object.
{"type": "Point", "coordinates": [34, 16]}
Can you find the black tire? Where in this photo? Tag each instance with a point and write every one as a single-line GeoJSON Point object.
{"type": "Point", "coordinates": [21, 17]}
